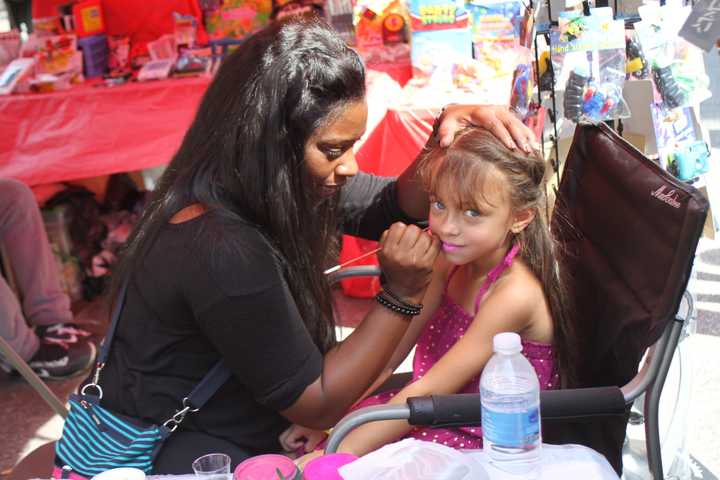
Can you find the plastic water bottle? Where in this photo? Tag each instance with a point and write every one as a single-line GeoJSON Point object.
{"type": "Point", "coordinates": [510, 397]}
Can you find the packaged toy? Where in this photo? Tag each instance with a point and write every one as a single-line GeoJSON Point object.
{"type": "Point", "coordinates": [88, 18]}
{"type": "Point", "coordinates": [589, 54]}
{"type": "Point", "coordinates": [185, 30]}
{"type": "Point", "coordinates": [637, 64]}
{"type": "Point", "coordinates": [381, 31]}
{"type": "Point", "coordinates": [690, 160]}
{"type": "Point", "coordinates": [677, 67]}
{"type": "Point", "coordinates": [441, 38]}
{"type": "Point", "coordinates": [15, 73]}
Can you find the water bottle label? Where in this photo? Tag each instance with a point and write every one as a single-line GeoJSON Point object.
{"type": "Point", "coordinates": [516, 429]}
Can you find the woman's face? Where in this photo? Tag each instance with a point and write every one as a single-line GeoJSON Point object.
{"type": "Point", "coordinates": [329, 153]}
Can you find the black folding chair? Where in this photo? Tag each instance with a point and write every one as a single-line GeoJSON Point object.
{"type": "Point", "coordinates": [629, 231]}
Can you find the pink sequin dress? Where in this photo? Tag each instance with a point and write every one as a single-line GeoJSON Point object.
{"type": "Point", "coordinates": [447, 325]}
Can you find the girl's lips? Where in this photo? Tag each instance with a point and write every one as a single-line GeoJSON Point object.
{"type": "Point", "coordinates": [449, 247]}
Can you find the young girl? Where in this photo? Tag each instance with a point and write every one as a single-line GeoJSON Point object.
{"type": "Point", "coordinates": [498, 273]}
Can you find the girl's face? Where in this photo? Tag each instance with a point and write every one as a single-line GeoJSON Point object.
{"type": "Point", "coordinates": [479, 233]}
{"type": "Point", "coordinates": [329, 153]}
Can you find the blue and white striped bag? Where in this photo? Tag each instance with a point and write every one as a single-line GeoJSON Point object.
{"type": "Point", "coordinates": [95, 439]}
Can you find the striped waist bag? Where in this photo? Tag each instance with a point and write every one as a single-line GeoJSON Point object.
{"type": "Point", "coordinates": [95, 439]}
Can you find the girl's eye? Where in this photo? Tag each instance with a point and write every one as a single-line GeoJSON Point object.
{"type": "Point", "coordinates": [473, 213]}
{"type": "Point", "coordinates": [437, 205]}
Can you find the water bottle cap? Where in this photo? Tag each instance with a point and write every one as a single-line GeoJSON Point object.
{"type": "Point", "coordinates": [507, 342]}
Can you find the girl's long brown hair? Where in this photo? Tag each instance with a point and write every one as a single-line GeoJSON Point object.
{"type": "Point", "coordinates": [463, 167]}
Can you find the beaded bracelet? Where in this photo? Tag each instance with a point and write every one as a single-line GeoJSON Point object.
{"type": "Point", "coordinates": [399, 300]}
{"type": "Point", "coordinates": [401, 309]}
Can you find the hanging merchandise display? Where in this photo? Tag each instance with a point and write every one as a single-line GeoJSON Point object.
{"type": "Point", "coordinates": [588, 51]}
{"type": "Point", "coordinates": [677, 66]}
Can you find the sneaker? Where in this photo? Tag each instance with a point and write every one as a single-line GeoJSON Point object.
{"type": "Point", "coordinates": [63, 334]}
{"type": "Point", "coordinates": [53, 361]}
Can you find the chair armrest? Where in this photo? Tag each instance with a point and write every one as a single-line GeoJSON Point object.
{"type": "Point", "coordinates": [464, 409]}
{"type": "Point", "coordinates": [350, 272]}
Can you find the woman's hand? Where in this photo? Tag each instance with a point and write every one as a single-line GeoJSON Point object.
{"type": "Point", "coordinates": [297, 437]}
{"type": "Point", "coordinates": [496, 118]}
{"type": "Point", "coordinates": [407, 257]}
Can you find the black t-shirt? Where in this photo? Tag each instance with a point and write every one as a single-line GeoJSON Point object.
{"type": "Point", "coordinates": [193, 303]}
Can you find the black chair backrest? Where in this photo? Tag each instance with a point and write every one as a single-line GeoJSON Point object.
{"type": "Point", "coordinates": [628, 231]}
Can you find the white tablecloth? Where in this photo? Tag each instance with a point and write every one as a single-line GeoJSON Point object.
{"type": "Point", "coordinates": [416, 460]}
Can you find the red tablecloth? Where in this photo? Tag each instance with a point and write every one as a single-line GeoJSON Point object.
{"type": "Point", "coordinates": [90, 131]}
{"type": "Point", "coordinates": [86, 132]}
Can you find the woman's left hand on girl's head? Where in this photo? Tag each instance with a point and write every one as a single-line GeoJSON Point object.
{"type": "Point", "coordinates": [496, 118]}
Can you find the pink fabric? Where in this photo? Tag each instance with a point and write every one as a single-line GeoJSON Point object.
{"type": "Point", "coordinates": [447, 325]}
{"type": "Point", "coordinates": [494, 274]}
{"type": "Point", "coordinates": [57, 473]}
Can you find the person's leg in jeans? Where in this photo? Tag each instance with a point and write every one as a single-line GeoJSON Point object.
{"type": "Point", "coordinates": [13, 328]}
{"type": "Point", "coordinates": [23, 237]}
{"type": "Point", "coordinates": [60, 350]}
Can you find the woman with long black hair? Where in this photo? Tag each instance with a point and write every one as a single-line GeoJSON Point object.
{"type": "Point", "coordinates": [227, 261]}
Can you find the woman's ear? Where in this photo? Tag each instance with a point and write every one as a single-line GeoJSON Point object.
{"type": "Point", "coordinates": [522, 219]}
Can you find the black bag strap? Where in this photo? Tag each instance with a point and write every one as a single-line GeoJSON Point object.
{"type": "Point", "coordinates": [117, 310]}
{"type": "Point", "coordinates": [203, 391]}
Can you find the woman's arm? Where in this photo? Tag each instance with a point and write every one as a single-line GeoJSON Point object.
{"type": "Point", "coordinates": [508, 308]}
{"type": "Point", "coordinates": [407, 257]}
{"type": "Point", "coordinates": [431, 302]}
{"type": "Point", "coordinates": [498, 119]}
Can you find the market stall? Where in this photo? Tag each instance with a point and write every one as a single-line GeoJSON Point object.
{"type": "Point", "coordinates": [111, 86]}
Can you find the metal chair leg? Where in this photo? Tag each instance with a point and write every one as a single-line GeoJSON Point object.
{"type": "Point", "coordinates": [652, 404]}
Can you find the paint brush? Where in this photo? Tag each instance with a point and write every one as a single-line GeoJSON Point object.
{"type": "Point", "coordinates": [360, 257]}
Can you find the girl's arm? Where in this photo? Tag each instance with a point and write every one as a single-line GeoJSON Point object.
{"type": "Point", "coordinates": [508, 307]}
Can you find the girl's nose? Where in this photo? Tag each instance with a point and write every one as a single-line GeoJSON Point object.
{"type": "Point", "coordinates": [446, 226]}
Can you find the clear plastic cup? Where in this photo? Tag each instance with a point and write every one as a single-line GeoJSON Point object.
{"type": "Point", "coordinates": [213, 466]}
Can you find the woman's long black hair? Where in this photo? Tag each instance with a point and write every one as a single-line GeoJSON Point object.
{"type": "Point", "coordinates": [243, 155]}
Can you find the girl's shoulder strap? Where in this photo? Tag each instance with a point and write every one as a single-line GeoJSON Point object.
{"type": "Point", "coordinates": [495, 273]}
